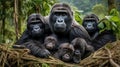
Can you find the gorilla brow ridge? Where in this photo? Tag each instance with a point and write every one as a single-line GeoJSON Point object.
{"type": "Point", "coordinates": [36, 16]}
{"type": "Point", "coordinates": [64, 5]}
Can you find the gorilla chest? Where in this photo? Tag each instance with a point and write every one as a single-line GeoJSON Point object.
{"type": "Point", "coordinates": [63, 40]}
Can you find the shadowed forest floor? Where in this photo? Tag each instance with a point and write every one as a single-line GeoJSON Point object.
{"type": "Point", "coordinates": [108, 56]}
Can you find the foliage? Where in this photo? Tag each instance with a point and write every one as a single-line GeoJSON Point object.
{"type": "Point", "coordinates": [99, 10]}
{"type": "Point", "coordinates": [85, 5]}
{"type": "Point", "coordinates": [45, 65]}
{"type": "Point", "coordinates": [77, 15]}
{"type": "Point", "coordinates": [112, 22]}
{"type": "Point", "coordinates": [25, 8]}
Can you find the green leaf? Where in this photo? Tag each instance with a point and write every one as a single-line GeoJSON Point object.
{"type": "Point", "coordinates": [101, 25]}
{"type": "Point", "coordinates": [115, 19]}
{"type": "Point", "coordinates": [45, 65]}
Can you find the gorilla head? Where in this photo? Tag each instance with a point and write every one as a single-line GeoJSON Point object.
{"type": "Point", "coordinates": [90, 23]}
{"type": "Point", "coordinates": [61, 18]}
{"type": "Point", "coordinates": [50, 42]}
{"type": "Point", "coordinates": [65, 52]}
{"type": "Point", "coordinates": [35, 25]}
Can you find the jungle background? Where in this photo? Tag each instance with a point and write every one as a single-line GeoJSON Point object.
{"type": "Point", "coordinates": [14, 13]}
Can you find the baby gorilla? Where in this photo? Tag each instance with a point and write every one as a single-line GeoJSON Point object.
{"type": "Point", "coordinates": [65, 52]}
{"type": "Point", "coordinates": [81, 49]}
{"type": "Point", "coordinates": [50, 42]}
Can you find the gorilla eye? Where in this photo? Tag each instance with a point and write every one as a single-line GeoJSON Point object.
{"type": "Point", "coordinates": [56, 14]}
{"type": "Point", "coordinates": [64, 14]}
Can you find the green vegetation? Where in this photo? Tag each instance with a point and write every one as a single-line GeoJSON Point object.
{"type": "Point", "coordinates": [14, 13]}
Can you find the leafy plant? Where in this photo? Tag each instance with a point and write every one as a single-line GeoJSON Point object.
{"type": "Point", "coordinates": [112, 22]}
{"type": "Point", "coordinates": [45, 65]}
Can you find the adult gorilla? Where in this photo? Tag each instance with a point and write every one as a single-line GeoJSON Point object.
{"type": "Point", "coordinates": [99, 39]}
{"type": "Point", "coordinates": [64, 27]}
{"type": "Point", "coordinates": [33, 36]}
{"type": "Point", "coordinates": [90, 23]}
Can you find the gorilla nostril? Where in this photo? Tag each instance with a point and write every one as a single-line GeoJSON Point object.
{"type": "Point", "coordinates": [60, 20]}
{"type": "Point", "coordinates": [89, 25]}
{"type": "Point", "coordinates": [66, 56]}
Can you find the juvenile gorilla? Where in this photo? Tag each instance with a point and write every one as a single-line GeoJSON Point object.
{"type": "Point", "coordinates": [74, 52]}
{"type": "Point", "coordinates": [50, 43]}
{"type": "Point", "coordinates": [65, 52]}
{"type": "Point", "coordinates": [33, 37]}
{"type": "Point", "coordinates": [82, 50]}
{"type": "Point", "coordinates": [90, 22]}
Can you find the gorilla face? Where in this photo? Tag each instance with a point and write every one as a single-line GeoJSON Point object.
{"type": "Point", "coordinates": [67, 55]}
{"type": "Point", "coordinates": [65, 52]}
{"type": "Point", "coordinates": [35, 25]}
{"type": "Point", "coordinates": [90, 25]}
{"type": "Point", "coordinates": [60, 18]}
{"type": "Point", "coordinates": [36, 28]}
{"type": "Point", "coordinates": [50, 42]}
{"type": "Point", "coordinates": [60, 24]}
{"type": "Point", "coordinates": [77, 56]}
{"type": "Point", "coordinates": [60, 21]}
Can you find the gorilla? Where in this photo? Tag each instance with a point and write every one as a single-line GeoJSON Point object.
{"type": "Point", "coordinates": [65, 52]}
{"type": "Point", "coordinates": [63, 25]}
{"type": "Point", "coordinates": [82, 50]}
{"type": "Point", "coordinates": [99, 39]}
{"type": "Point", "coordinates": [50, 43]}
{"type": "Point", "coordinates": [64, 28]}
{"type": "Point", "coordinates": [33, 36]}
{"type": "Point", "coordinates": [75, 51]}
{"type": "Point", "coordinates": [90, 23]}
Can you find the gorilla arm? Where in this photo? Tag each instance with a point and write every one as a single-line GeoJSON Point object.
{"type": "Point", "coordinates": [37, 49]}
{"type": "Point", "coordinates": [103, 38]}
{"type": "Point", "coordinates": [79, 31]}
{"type": "Point", "coordinates": [24, 38]}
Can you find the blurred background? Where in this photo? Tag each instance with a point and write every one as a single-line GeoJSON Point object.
{"type": "Point", "coordinates": [13, 14]}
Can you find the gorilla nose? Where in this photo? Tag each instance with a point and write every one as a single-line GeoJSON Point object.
{"type": "Point", "coordinates": [67, 56]}
{"type": "Point", "coordinates": [49, 46]}
{"type": "Point", "coordinates": [89, 25]}
{"type": "Point", "coordinates": [60, 20]}
{"type": "Point", "coordinates": [36, 28]}
{"type": "Point", "coordinates": [77, 52]}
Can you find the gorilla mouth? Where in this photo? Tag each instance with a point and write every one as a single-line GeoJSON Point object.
{"type": "Point", "coordinates": [59, 29]}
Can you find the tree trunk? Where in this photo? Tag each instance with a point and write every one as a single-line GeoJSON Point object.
{"type": "Point", "coordinates": [3, 21]}
{"type": "Point", "coordinates": [111, 5]}
{"type": "Point", "coordinates": [19, 15]}
{"type": "Point", "coordinates": [16, 18]}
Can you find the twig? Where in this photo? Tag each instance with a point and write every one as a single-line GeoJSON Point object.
{"type": "Point", "coordinates": [110, 58]}
{"type": "Point", "coordinates": [102, 65]}
{"type": "Point", "coordinates": [98, 57]}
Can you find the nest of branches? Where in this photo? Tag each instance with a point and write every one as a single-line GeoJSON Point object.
{"type": "Point", "coordinates": [108, 56]}
{"type": "Point", "coordinates": [10, 57]}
